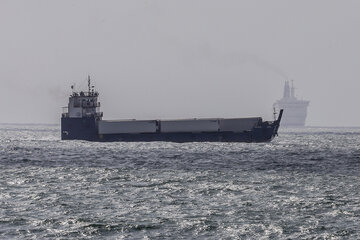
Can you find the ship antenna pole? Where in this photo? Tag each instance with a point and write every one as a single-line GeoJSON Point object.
{"type": "Point", "coordinates": [89, 83]}
{"type": "Point", "coordinates": [275, 114]}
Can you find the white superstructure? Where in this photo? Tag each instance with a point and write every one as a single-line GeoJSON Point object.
{"type": "Point", "coordinates": [295, 111]}
{"type": "Point", "coordinates": [83, 104]}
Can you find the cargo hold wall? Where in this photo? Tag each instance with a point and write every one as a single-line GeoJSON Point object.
{"type": "Point", "coordinates": [238, 124]}
{"type": "Point", "coordinates": [127, 126]}
{"type": "Point", "coordinates": [189, 125]}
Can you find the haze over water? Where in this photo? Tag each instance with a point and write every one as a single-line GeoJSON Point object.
{"type": "Point", "coordinates": [304, 184]}
{"type": "Point", "coordinates": [180, 59]}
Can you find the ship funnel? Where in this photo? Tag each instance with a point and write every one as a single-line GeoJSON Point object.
{"type": "Point", "coordinates": [286, 90]}
{"type": "Point", "coordinates": [292, 93]}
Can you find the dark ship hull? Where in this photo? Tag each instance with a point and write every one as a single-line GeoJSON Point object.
{"type": "Point", "coordinates": [87, 129]}
{"type": "Point", "coordinates": [83, 121]}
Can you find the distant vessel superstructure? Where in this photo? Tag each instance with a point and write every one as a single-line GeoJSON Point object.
{"type": "Point", "coordinates": [295, 111]}
{"type": "Point", "coordinates": [82, 120]}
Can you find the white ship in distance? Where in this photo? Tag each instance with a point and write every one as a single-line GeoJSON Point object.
{"type": "Point", "coordinates": [295, 111]}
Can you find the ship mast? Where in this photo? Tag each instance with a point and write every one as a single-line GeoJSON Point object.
{"type": "Point", "coordinates": [89, 85]}
{"type": "Point", "coordinates": [275, 113]}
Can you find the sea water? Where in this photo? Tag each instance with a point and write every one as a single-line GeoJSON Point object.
{"type": "Point", "coordinates": [304, 184]}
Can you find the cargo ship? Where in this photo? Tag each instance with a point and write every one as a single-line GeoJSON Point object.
{"type": "Point", "coordinates": [295, 109]}
{"type": "Point", "coordinates": [82, 120]}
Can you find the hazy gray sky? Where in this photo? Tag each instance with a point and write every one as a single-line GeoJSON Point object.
{"type": "Point", "coordinates": [166, 59]}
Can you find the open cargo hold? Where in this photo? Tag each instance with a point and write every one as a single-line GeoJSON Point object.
{"type": "Point", "coordinates": [238, 124]}
{"type": "Point", "coordinates": [127, 126]}
{"type": "Point", "coordinates": [189, 125]}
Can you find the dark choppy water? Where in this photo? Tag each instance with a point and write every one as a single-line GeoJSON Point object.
{"type": "Point", "coordinates": [304, 184]}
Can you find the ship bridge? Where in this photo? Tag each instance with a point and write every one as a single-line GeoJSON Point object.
{"type": "Point", "coordinates": [83, 104]}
